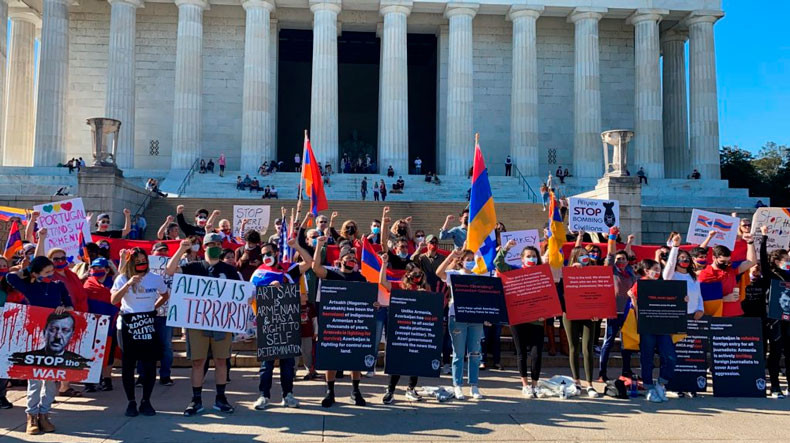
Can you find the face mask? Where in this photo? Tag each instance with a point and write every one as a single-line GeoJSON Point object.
{"type": "Point", "coordinates": [351, 230]}
{"type": "Point", "coordinates": [584, 259]}
{"type": "Point", "coordinates": [214, 252]}
{"type": "Point", "coordinates": [652, 275]}
{"type": "Point", "coordinates": [621, 265]}
{"type": "Point", "coordinates": [98, 274]}
{"type": "Point", "coordinates": [469, 265]}
{"type": "Point", "coordinates": [702, 262]}
{"type": "Point", "coordinates": [684, 264]}
{"type": "Point", "coordinates": [226, 231]}
{"type": "Point", "coordinates": [201, 222]}
{"type": "Point", "coordinates": [103, 226]}
{"type": "Point", "coordinates": [593, 256]}
{"type": "Point", "coordinates": [61, 265]}
{"type": "Point", "coordinates": [376, 230]}
{"type": "Point", "coordinates": [141, 268]}
{"type": "Point", "coordinates": [349, 265]}
{"type": "Point", "coordinates": [314, 241]}
{"type": "Point", "coordinates": [664, 256]}
{"type": "Point", "coordinates": [416, 279]}
{"type": "Point", "coordinates": [43, 279]}
{"type": "Point", "coordinates": [269, 260]}
{"type": "Point", "coordinates": [195, 248]}
{"type": "Point", "coordinates": [403, 254]}
{"type": "Point", "coordinates": [104, 246]}
{"type": "Point", "coordinates": [722, 266]}
{"type": "Point", "coordinates": [530, 261]}
{"type": "Point", "coordinates": [785, 266]}
{"type": "Point", "coordinates": [420, 239]}
{"type": "Point", "coordinates": [401, 231]}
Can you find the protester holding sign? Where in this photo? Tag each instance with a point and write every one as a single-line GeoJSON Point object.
{"type": "Point", "coordinates": [465, 336]}
{"type": "Point", "coordinates": [99, 302]}
{"type": "Point", "coordinates": [722, 270]}
{"type": "Point", "coordinates": [140, 293]}
{"type": "Point", "coordinates": [39, 289]}
{"type": "Point", "coordinates": [679, 267]}
{"type": "Point", "coordinates": [199, 342]}
{"type": "Point", "coordinates": [775, 266]}
{"type": "Point", "coordinates": [526, 336]}
{"type": "Point", "coordinates": [624, 279]}
{"type": "Point", "coordinates": [275, 273]}
{"type": "Point", "coordinates": [346, 272]}
{"type": "Point", "coordinates": [413, 280]}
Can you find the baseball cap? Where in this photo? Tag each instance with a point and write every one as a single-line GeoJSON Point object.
{"type": "Point", "coordinates": [277, 221]}
{"type": "Point", "coordinates": [160, 245]}
{"type": "Point", "coordinates": [28, 247]}
{"type": "Point", "coordinates": [103, 215]}
{"type": "Point", "coordinates": [212, 237]}
{"type": "Point", "coordinates": [100, 262]}
{"type": "Point", "coordinates": [429, 238]}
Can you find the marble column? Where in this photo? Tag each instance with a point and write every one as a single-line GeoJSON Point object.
{"type": "Point", "coordinates": [189, 84]}
{"type": "Point", "coordinates": [50, 138]}
{"type": "Point", "coordinates": [20, 116]}
{"type": "Point", "coordinates": [648, 127]}
{"type": "Point", "coordinates": [587, 150]}
{"type": "Point", "coordinates": [675, 105]}
{"type": "Point", "coordinates": [323, 92]}
{"type": "Point", "coordinates": [704, 127]}
{"type": "Point", "coordinates": [3, 61]}
{"type": "Point", "coordinates": [524, 90]}
{"type": "Point", "coordinates": [256, 118]}
{"type": "Point", "coordinates": [460, 88]}
{"type": "Point", "coordinates": [274, 51]}
{"type": "Point", "coordinates": [394, 87]}
{"type": "Point", "coordinates": [119, 101]}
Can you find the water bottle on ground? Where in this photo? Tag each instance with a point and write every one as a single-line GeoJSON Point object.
{"type": "Point", "coordinates": [633, 392]}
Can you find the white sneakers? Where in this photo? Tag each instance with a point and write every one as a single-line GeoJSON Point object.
{"type": "Point", "coordinates": [473, 389]}
{"type": "Point", "coordinates": [289, 401]}
{"type": "Point", "coordinates": [592, 393]}
{"type": "Point", "coordinates": [528, 392]}
{"type": "Point", "coordinates": [412, 395]}
{"type": "Point", "coordinates": [261, 403]}
{"type": "Point", "coordinates": [476, 392]}
{"type": "Point", "coordinates": [459, 393]}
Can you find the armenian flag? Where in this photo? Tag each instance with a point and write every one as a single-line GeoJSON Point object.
{"type": "Point", "coordinates": [14, 242]}
{"type": "Point", "coordinates": [84, 249]}
{"type": "Point", "coordinates": [370, 264]}
{"type": "Point", "coordinates": [313, 183]}
{"type": "Point", "coordinates": [556, 236]}
{"type": "Point", "coordinates": [7, 212]}
{"type": "Point", "coordinates": [480, 236]}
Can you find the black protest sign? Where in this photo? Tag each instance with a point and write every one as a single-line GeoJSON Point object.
{"type": "Point", "coordinates": [738, 359]}
{"type": "Point", "coordinates": [661, 307]}
{"type": "Point", "coordinates": [478, 299]}
{"type": "Point", "coordinates": [414, 333]}
{"type": "Point", "coordinates": [278, 322]}
{"type": "Point", "coordinates": [779, 300]}
{"type": "Point", "coordinates": [691, 369]}
{"type": "Point", "coordinates": [346, 325]}
{"type": "Point", "coordinates": [139, 335]}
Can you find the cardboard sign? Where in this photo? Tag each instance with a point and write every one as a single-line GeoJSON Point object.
{"type": "Point", "coordinates": [661, 307]}
{"type": "Point", "coordinates": [37, 344]}
{"type": "Point", "coordinates": [257, 218]}
{"type": "Point", "coordinates": [209, 304]}
{"type": "Point", "coordinates": [346, 323]}
{"type": "Point", "coordinates": [64, 221]}
{"type": "Point", "coordinates": [589, 292]}
{"type": "Point", "coordinates": [523, 239]}
{"type": "Point", "coordinates": [478, 299]}
{"type": "Point", "coordinates": [589, 215]}
{"type": "Point", "coordinates": [279, 322]}
{"type": "Point", "coordinates": [703, 222]}
{"type": "Point", "coordinates": [691, 369]}
{"type": "Point", "coordinates": [738, 359]}
{"type": "Point", "coordinates": [414, 333]}
{"type": "Point", "coordinates": [779, 300]}
{"type": "Point", "coordinates": [777, 220]}
{"type": "Point", "coordinates": [530, 294]}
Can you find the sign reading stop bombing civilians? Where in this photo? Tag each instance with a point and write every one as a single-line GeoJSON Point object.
{"type": "Point", "coordinates": [590, 215]}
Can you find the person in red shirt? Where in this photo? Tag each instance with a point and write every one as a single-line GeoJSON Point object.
{"type": "Point", "coordinates": [99, 297]}
{"type": "Point", "coordinates": [721, 270]}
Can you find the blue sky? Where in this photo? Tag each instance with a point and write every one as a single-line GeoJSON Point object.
{"type": "Point", "coordinates": [753, 68]}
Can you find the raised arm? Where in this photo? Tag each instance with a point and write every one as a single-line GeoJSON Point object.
{"type": "Point", "coordinates": [628, 243]}
{"type": "Point", "coordinates": [764, 264]}
{"type": "Point", "coordinates": [332, 220]}
{"type": "Point", "coordinates": [385, 233]}
{"type": "Point", "coordinates": [499, 261]}
{"type": "Point", "coordinates": [611, 244]}
{"type": "Point", "coordinates": [162, 232]}
{"type": "Point", "coordinates": [672, 259]}
{"type": "Point", "coordinates": [172, 264]}
{"type": "Point", "coordinates": [383, 272]}
{"type": "Point", "coordinates": [579, 237]}
{"type": "Point", "coordinates": [443, 234]}
{"type": "Point", "coordinates": [751, 258]}
{"type": "Point", "coordinates": [318, 268]}
{"type": "Point", "coordinates": [42, 238]}
{"type": "Point", "coordinates": [127, 222]}
{"type": "Point", "coordinates": [307, 260]}
{"type": "Point", "coordinates": [210, 222]}
{"type": "Point", "coordinates": [712, 233]}
{"type": "Point", "coordinates": [31, 226]}
{"type": "Point", "coordinates": [441, 271]}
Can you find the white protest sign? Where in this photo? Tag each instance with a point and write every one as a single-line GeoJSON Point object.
{"type": "Point", "coordinates": [157, 264]}
{"type": "Point", "coordinates": [64, 221]}
{"type": "Point", "coordinates": [523, 239]}
{"type": "Point", "coordinates": [257, 218]}
{"type": "Point", "coordinates": [703, 222]}
{"type": "Point", "coordinates": [589, 215]}
{"type": "Point", "coordinates": [777, 220]}
{"type": "Point", "coordinates": [209, 304]}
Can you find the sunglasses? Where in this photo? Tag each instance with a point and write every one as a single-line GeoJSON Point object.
{"type": "Point", "coordinates": [59, 259]}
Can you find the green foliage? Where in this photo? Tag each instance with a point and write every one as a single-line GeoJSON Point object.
{"type": "Point", "coordinates": [765, 175]}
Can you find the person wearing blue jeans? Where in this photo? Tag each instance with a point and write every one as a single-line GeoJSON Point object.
{"type": "Point", "coordinates": [287, 374]}
{"type": "Point", "coordinates": [613, 326]}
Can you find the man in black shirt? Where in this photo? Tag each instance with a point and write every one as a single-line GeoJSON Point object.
{"type": "Point", "coordinates": [199, 342]}
{"type": "Point", "coordinates": [203, 223]}
{"type": "Point", "coordinates": [347, 272]}
{"type": "Point", "coordinates": [103, 226]}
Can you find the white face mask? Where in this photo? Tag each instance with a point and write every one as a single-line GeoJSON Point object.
{"type": "Point", "coordinates": [195, 248]}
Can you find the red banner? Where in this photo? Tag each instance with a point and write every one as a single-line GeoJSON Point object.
{"type": "Point", "coordinates": [530, 294]}
{"type": "Point", "coordinates": [649, 251]}
{"type": "Point", "coordinates": [589, 292]}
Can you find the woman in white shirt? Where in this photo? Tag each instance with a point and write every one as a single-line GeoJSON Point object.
{"type": "Point", "coordinates": [465, 336]}
{"type": "Point", "coordinates": [681, 267]}
{"type": "Point", "coordinates": [140, 293]}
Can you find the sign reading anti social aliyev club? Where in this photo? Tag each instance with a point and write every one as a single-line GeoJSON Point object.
{"type": "Point", "coordinates": [209, 304]}
{"type": "Point", "coordinates": [591, 215]}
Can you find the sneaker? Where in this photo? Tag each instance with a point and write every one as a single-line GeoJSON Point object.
{"type": "Point", "coordinates": [358, 399]}
{"type": "Point", "coordinates": [369, 374]}
{"type": "Point", "coordinates": [459, 393]}
{"type": "Point", "coordinates": [653, 397]}
{"type": "Point", "coordinates": [195, 407]}
{"type": "Point", "coordinates": [483, 366]}
{"type": "Point", "coordinates": [166, 381]}
{"type": "Point", "coordinates": [328, 400]}
{"type": "Point", "coordinates": [661, 391]}
{"type": "Point", "coordinates": [476, 392]}
{"type": "Point", "coordinates": [527, 392]}
{"type": "Point", "coordinates": [778, 395]}
{"type": "Point", "coordinates": [146, 408]}
{"type": "Point", "coordinates": [131, 409]}
{"type": "Point", "coordinates": [289, 401]}
{"type": "Point", "coordinates": [412, 395]}
{"type": "Point", "coordinates": [447, 369]}
{"type": "Point", "coordinates": [388, 396]}
{"type": "Point", "coordinates": [592, 393]}
{"type": "Point", "coordinates": [106, 384]}
{"type": "Point", "coordinates": [5, 404]}
{"type": "Point", "coordinates": [221, 404]}
{"type": "Point", "coordinates": [261, 403]}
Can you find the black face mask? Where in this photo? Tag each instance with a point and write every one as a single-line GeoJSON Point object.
{"type": "Point", "coordinates": [402, 231]}
{"type": "Point", "coordinates": [351, 230]}
{"type": "Point", "coordinates": [722, 266]}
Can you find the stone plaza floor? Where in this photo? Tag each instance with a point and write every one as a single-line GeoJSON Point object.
{"type": "Point", "coordinates": [503, 415]}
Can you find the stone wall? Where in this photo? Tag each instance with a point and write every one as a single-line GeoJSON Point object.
{"type": "Point", "coordinates": [658, 222]}
{"type": "Point", "coordinates": [102, 191]}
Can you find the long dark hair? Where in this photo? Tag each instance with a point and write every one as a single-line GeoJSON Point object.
{"type": "Point", "coordinates": [36, 266]}
{"type": "Point", "coordinates": [644, 265]}
{"type": "Point", "coordinates": [690, 268]}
